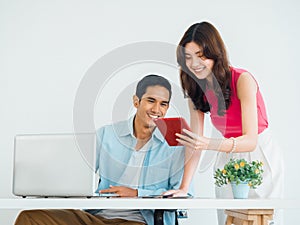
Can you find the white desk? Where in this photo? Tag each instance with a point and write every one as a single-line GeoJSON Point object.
{"type": "Point", "coordinates": [138, 203]}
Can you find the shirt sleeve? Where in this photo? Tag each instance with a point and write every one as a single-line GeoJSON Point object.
{"type": "Point", "coordinates": [99, 138]}
{"type": "Point", "coordinates": [175, 174]}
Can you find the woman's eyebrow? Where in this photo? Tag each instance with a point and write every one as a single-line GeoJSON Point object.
{"type": "Point", "coordinates": [196, 53]}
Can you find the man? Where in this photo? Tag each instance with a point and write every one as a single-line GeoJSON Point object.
{"type": "Point", "coordinates": [133, 159]}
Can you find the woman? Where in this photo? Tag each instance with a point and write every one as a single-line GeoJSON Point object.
{"type": "Point", "coordinates": [236, 107]}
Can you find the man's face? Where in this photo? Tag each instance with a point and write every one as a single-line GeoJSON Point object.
{"type": "Point", "coordinates": [153, 104]}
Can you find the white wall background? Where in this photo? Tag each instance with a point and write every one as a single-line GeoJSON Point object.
{"type": "Point", "coordinates": [46, 47]}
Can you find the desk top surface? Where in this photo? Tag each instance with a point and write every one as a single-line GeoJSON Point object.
{"type": "Point", "coordinates": [145, 203]}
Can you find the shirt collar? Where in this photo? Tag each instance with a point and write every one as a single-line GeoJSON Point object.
{"type": "Point", "coordinates": [128, 130]}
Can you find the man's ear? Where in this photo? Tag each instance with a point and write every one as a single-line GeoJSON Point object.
{"type": "Point", "coordinates": [136, 101]}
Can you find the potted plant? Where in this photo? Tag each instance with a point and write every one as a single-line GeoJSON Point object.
{"type": "Point", "coordinates": [242, 176]}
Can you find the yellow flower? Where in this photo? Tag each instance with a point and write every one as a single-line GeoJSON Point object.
{"type": "Point", "coordinates": [236, 166]}
{"type": "Point", "coordinates": [242, 164]}
{"type": "Point", "coordinates": [224, 171]}
{"type": "Point", "coordinates": [256, 171]}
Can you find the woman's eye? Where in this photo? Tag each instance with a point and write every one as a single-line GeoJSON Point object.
{"type": "Point", "coordinates": [201, 56]}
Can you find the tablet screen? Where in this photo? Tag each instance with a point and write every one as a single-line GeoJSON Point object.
{"type": "Point", "coordinates": [170, 126]}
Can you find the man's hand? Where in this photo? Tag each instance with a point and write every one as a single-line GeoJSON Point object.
{"type": "Point", "coordinates": [121, 191]}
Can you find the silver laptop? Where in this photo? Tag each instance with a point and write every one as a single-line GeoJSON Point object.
{"type": "Point", "coordinates": [54, 165]}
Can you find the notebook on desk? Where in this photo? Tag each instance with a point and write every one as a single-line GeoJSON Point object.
{"type": "Point", "coordinates": [60, 165]}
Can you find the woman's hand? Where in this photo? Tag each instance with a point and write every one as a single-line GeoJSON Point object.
{"type": "Point", "coordinates": [192, 140]}
{"type": "Point", "coordinates": [176, 193]}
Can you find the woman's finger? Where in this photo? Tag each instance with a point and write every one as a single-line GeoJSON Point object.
{"type": "Point", "coordinates": [185, 143]}
{"type": "Point", "coordinates": [191, 134]}
{"type": "Point", "coordinates": [186, 138]}
{"type": "Point", "coordinates": [170, 192]}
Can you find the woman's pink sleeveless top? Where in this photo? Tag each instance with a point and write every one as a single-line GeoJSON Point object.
{"type": "Point", "coordinates": [230, 125]}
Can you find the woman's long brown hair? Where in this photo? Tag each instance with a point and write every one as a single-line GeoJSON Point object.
{"type": "Point", "coordinates": [206, 36]}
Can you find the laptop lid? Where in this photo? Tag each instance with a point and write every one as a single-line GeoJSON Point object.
{"type": "Point", "coordinates": [54, 165]}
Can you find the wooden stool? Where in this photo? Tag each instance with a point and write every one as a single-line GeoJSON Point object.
{"type": "Point", "coordinates": [248, 216]}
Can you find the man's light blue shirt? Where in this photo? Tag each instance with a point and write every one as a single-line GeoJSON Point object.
{"type": "Point", "coordinates": [162, 168]}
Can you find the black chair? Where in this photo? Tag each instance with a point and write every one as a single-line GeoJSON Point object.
{"type": "Point", "coordinates": [159, 216]}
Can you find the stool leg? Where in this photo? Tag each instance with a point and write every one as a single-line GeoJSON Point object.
{"type": "Point", "coordinates": [265, 219]}
{"type": "Point", "coordinates": [238, 221]}
{"type": "Point", "coordinates": [255, 221]}
{"type": "Point", "coordinates": [229, 220]}
{"type": "Point", "coordinates": [260, 220]}
{"type": "Point", "coordinates": [252, 222]}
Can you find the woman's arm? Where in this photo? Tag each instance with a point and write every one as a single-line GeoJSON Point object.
{"type": "Point", "coordinates": [191, 156]}
{"type": "Point", "coordinates": [246, 91]}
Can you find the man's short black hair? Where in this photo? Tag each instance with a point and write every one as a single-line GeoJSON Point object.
{"type": "Point", "coordinates": [152, 80]}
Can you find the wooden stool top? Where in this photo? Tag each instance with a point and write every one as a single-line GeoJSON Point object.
{"type": "Point", "coordinates": [244, 216]}
{"type": "Point", "coordinates": [252, 211]}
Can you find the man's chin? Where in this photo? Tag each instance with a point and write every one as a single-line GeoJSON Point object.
{"type": "Point", "coordinates": [151, 125]}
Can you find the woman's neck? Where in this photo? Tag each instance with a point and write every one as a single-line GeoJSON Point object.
{"type": "Point", "coordinates": [209, 83]}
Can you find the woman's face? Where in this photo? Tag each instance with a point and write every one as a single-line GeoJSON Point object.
{"type": "Point", "coordinates": [196, 62]}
